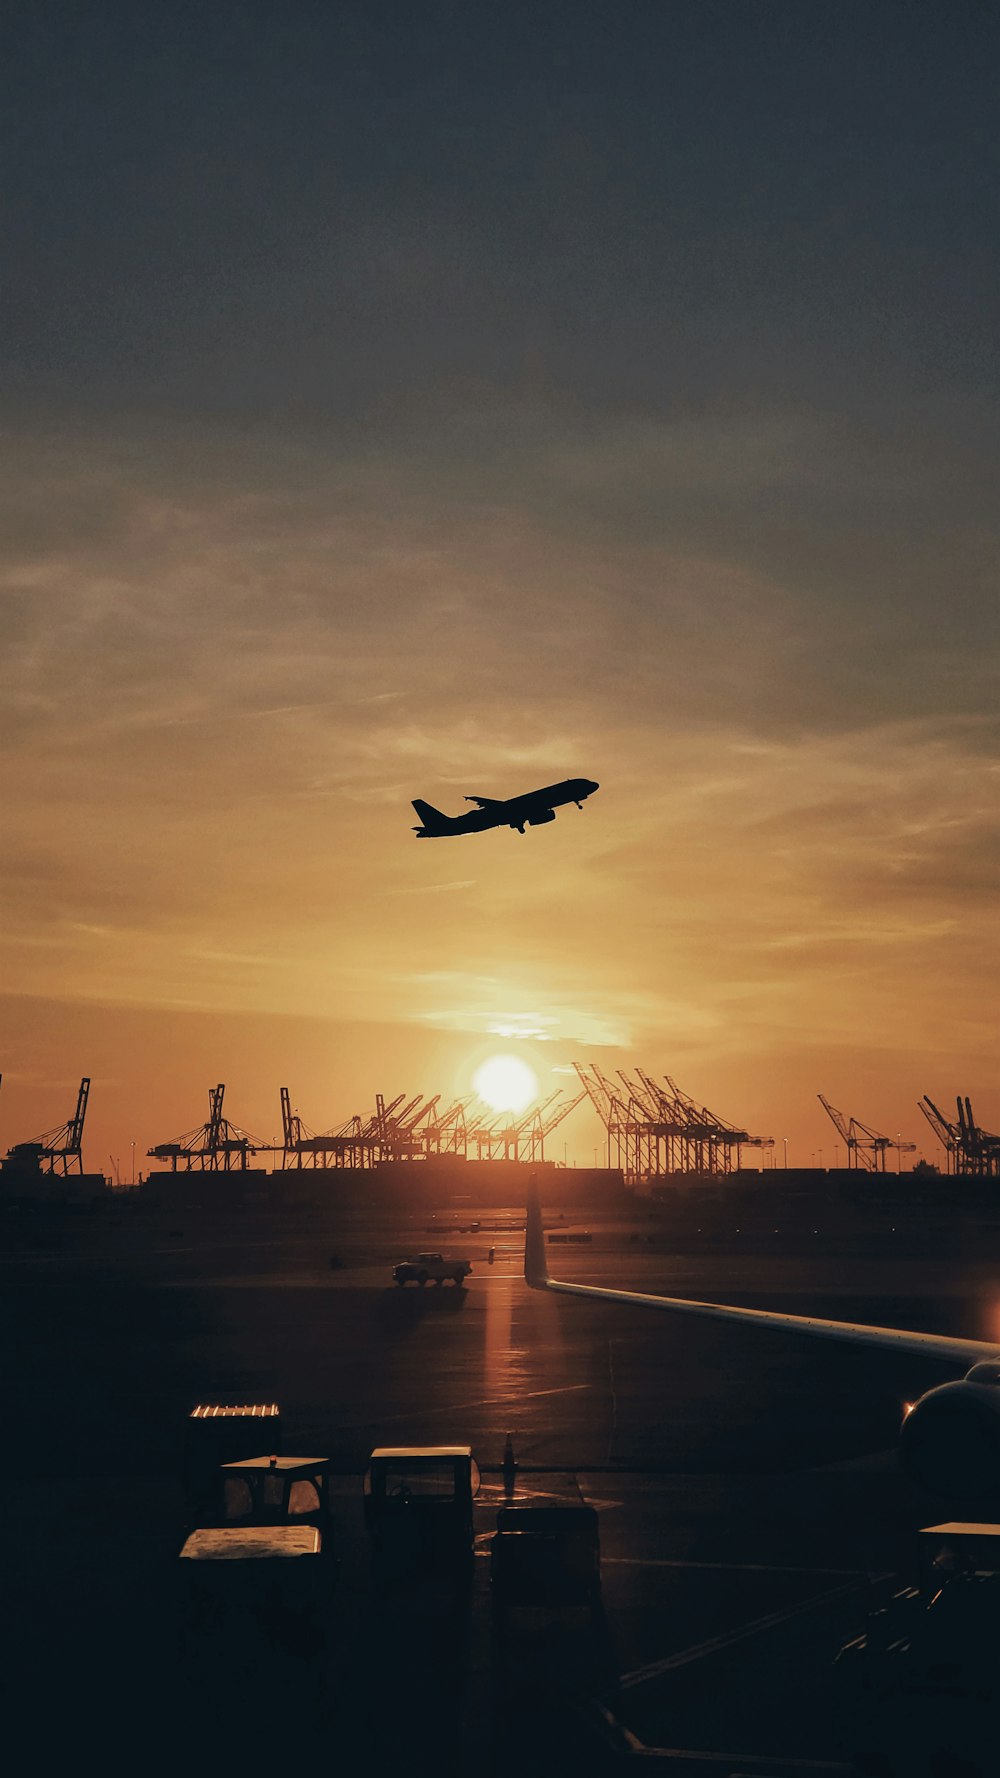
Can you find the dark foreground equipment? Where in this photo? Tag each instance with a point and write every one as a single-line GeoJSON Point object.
{"type": "Point", "coordinates": [920, 1686]}
{"type": "Point", "coordinates": [546, 1559]}
{"type": "Point", "coordinates": [278, 1491]}
{"type": "Point", "coordinates": [217, 1433]}
{"type": "Point", "coordinates": [257, 1564]}
{"type": "Point", "coordinates": [252, 1591]}
{"type": "Point", "coordinates": [418, 1511]}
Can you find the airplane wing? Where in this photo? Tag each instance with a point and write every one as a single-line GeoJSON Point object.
{"type": "Point", "coordinates": [536, 1273]}
{"type": "Point", "coordinates": [485, 802]}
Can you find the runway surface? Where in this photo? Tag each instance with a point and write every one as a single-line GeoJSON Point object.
{"type": "Point", "coordinates": [748, 1498]}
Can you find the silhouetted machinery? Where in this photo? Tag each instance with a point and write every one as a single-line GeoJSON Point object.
{"type": "Point", "coordinates": [659, 1130]}
{"type": "Point", "coordinates": [970, 1150]}
{"type": "Point", "coordinates": [545, 1559]}
{"type": "Point", "coordinates": [418, 1511]}
{"type": "Point", "coordinates": [215, 1146]}
{"type": "Point", "coordinates": [218, 1433]}
{"type": "Point", "coordinates": [258, 1558]}
{"type": "Point", "coordinates": [920, 1685]}
{"type": "Point", "coordinates": [56, 1151]}
{"type": "Point", "coordinates": [522, 1139]}
{"type": "Point", "coordinates": [866, 1148]}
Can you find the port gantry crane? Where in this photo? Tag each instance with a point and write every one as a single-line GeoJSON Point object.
{"type": "Point", "coordinates": [543, 1126]}
{"type": "Point", "coordinates": [302, 1147]}
{"type": "Point", "coordinates": [501, 1137]}
{"type": "Point", "coordinates": [944, 1132]}
{"type": "Point", "coordinates": [217, 1146]}
{"type": "Point", "coordinates": [980, 1149]}
{"type": "Point", "coordinates": [523, 1138]}
{"type": "Point", "coordinates": [445, 1133]}
{"type": "Point", "coordinates": [970, 1150]}
{"type": "Point", "coordinates": [417, 1129]}
{"type": "Point", "coordinates": [609, 1106]}
{"type": "Point", "coordinates": [866, 1148]}
{"type": "Point", "coordinates": [398, 1129]}
{"type": "Point", "coordinates": [434, 1132]}
{"type": "Point", "coordinates": [660, 1130]}
{"type": "Point", "coordinates": [59, 1150]}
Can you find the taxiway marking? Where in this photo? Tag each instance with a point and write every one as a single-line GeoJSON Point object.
{"type": "Point", "coordinates": [451, 1407]}
{"type": "Point", "coordinates": [731, 1567]}
{"type": "Point", "coordinates": [698, 1650]}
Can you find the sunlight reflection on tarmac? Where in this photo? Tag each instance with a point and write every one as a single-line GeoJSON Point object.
{"type": "Point", "coordinates": [749, 1477]}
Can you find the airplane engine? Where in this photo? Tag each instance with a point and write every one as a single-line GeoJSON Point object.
{"type": "Point", "coordinates": [950, 1439]}
{"type": "Point", "coordinates": [547, 815]}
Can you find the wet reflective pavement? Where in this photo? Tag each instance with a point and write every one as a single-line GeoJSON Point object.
{"type": "Point", "coordinates": [748, 1497]}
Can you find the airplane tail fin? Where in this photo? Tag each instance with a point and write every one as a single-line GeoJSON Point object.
{"type": "Point", "coordinates": [536, 1269]}
{"type": "Point", "coordinates": [433, 820]}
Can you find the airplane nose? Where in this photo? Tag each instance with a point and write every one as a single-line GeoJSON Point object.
{"type": "Point", "coordinates": [591, 784]}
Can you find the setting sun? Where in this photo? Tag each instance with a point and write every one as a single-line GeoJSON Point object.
{"type": "Point", "coordinates": [506, 1083]}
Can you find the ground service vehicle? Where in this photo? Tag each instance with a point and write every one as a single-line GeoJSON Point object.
{"type": "Point", "coordinates": [418, 1511]}
{"type": "Point", "coordinates": [217, 1433]}
{"type": "Point", "coordinates": [431, 1268]}
{"type": "Point", "coordinates": [256, 1570]}
{"type": "Point", "coordinates": [547, 1559]}
{"type": "Point", "coordinates": [253, 1588]}
{"type": "Point", "coordinates": [278, 1491]}
{"type": "Point", "coordinates": [920, 1686]}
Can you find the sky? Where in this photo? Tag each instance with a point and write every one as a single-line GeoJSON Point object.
{"type": "Point", "coordinates": [431, 400]}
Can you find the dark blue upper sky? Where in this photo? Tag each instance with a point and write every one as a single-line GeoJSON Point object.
{"type": "Point", "coordinates": [323, 207]}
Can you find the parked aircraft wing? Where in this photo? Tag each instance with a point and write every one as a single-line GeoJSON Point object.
{"type": "Point", "coordinates": [536, 1273]}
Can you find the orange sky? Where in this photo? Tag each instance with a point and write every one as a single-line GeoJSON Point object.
{"type": "Point", "coordinates": [399, 405]}
{"type": "Point", "coordinates": [223, 689]}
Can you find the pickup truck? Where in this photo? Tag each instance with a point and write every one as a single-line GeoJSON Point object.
{"type": "Point", "coordinates": [431, 1267]}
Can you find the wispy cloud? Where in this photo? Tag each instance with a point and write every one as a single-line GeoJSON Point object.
{"type": "Point", "coordinates": [223, 690]}
{"type": "Point", "coordinates": [433, 888]}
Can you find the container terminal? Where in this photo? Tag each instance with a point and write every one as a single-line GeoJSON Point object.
{"type": "Point", "coordinates": [661, 1145]}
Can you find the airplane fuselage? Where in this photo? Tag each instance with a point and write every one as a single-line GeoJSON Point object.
{"type": "Point", "coordinates": [532, 809]}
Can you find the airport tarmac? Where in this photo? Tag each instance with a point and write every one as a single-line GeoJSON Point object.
{"type": "Point", "coordinates": [749, 1504]}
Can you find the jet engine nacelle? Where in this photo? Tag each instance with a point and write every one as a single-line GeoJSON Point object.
{"type": "Point", "coordinates": [950, 1439]}
{"type": "Point", "coordinates": [546, 815]}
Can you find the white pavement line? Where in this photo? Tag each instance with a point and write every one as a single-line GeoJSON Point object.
{"type": "Point", "coordinates": [765, 1762]}
{"type": "Point", "coordinates": [451, 1407]}
{"type": "Point", "coordinates": [735, 1567]}
{"type": "Point", "coordinates": [699, 1650]}
{"type": "Point", "coordinates": [738, 1762]}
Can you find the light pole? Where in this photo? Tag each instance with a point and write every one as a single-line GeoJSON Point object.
{"type": "Point", "coordinates": [784, 1144]}
{"type": "Point", "coordinates": [133, 1161]}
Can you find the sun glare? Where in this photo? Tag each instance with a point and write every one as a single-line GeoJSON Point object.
{"type": "Point", "coordinates": [506, 1083]}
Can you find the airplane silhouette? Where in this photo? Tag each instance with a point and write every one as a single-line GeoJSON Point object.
{"type": "Point", "coordinates": [530, 810]}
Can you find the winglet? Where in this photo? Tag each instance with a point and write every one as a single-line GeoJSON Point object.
{"type": "Point", "coordinates": [536, 1271]}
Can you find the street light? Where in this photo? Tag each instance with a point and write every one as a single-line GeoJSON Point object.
{"type": "Point", "coordinates": [133, 1160]}
{"type": "Point", "coordinates": [784, 1144]}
